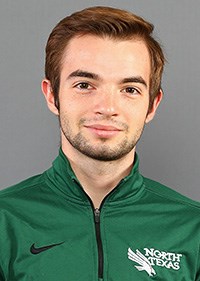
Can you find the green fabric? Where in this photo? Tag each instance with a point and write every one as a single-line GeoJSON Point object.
{"type": "Point", "coordinates": [151, 222]}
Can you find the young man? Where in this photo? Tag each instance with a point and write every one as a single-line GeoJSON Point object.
{"type": "Point", "coordinates": [92, 216]}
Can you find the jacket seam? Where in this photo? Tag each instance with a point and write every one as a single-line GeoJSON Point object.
{"type": "Point", "coordinates": [8, 192]}
{"type": "Point", "coordinates": [188, 204]}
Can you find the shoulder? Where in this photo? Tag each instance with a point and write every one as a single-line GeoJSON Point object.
{"type": "Point", "coordinates": [167, 194]}
{"type": "Point", "coordinates": [24, 186]}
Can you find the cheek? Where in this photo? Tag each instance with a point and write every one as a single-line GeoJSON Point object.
{"type": "Point", "coordinates": [136, 115]}
{"type": "Point", "coordinates": [67, 106]}
{"type": "Point", "coordinates": [71, 102]}
{"type": "Point", "coordinates": [71, 112]}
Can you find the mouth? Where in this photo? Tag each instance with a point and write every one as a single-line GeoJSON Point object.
{"type": "Point", "coordinates": [103, 131]}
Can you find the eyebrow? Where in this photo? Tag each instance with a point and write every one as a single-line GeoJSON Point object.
{"type": "Point", "coordinates": [91, 75]}
{"type": "Point", "coordinates": [85, 74]}
{"type": "Point", "coordinates": [134, 79]}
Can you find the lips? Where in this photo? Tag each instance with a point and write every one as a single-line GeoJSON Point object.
{"type": "Point", "coordinates": [103, 131]}
{"type": "Point", "coordinates": [103, 127]}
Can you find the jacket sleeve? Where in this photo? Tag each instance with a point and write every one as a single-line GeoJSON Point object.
{"type": "Point", "coordinates": [1, 275]}
{"type": "Point", "coordinates": [2, 250]}
{"type": "Point", "coordinates": [197, 276]}
{"type": "Point", "coordinates": [198, 267]}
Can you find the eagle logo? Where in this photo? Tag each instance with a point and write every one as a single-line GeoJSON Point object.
{"type": "Point", "coordinates": [142, 261]}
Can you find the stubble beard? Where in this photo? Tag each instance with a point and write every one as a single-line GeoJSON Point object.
{"type": "Point", "coordinates": [101, 151]}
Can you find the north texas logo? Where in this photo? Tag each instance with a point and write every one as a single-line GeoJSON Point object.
{"type": "Point", "coordinates": [143, 262]}
{"type": "Point", "coordinates": [154, 257]}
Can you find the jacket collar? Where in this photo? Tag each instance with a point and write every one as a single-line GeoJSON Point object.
{"type": "Point", "coordinates": [62, 179]}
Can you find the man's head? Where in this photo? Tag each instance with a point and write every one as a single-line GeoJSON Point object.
{"type": "Point", "coordinates": [103, 75]}
{"type": "Point", "coordinates": [103, 22]}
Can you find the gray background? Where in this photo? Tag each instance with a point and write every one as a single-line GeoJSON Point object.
{"type": "Point", "coordinates": [29, 134]}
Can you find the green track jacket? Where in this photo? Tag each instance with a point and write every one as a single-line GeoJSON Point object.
{"type": "Point", "coordinates": [49, 231]}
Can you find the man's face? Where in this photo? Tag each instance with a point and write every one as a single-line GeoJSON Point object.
{"type": "Point", "coordinates": [104, 96]}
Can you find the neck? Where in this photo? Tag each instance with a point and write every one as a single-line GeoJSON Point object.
{"type": "Point", "coordinates": [98, 178]}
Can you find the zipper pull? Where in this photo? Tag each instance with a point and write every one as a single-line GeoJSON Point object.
{"type": "Point", "coordinates": [97, 215]}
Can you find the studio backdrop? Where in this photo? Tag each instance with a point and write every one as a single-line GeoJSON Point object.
{"type": "Point", "coordinates": [29, 134]}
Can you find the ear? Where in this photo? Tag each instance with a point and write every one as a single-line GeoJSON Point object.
{"type": "Point", "coordinates": [49, 96]}
{"type": "Point", "coordinates": [155, 105]}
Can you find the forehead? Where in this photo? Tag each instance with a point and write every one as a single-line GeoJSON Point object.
{"type": "Point", "coordinates": [107, 56]}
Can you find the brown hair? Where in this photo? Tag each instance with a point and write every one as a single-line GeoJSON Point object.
{"type": "Point", "coordinates": [102, 21]}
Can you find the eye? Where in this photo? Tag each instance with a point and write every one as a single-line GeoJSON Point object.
{"type": "Point", "coordinates": [83, 86]}
{"type": "Point", "coordinates": [131, 91]}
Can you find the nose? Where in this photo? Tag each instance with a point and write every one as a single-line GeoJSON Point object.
{"type": "Point", "coordinates": [107, 103]}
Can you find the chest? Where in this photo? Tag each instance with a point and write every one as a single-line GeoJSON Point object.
{"type": "Point", "coordinates": [126, 243]}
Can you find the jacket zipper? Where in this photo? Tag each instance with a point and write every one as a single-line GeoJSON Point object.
{"type": "Point", "coordinates": [99, 242]}
{"type": "Point", "coordinates": [97, 212]}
